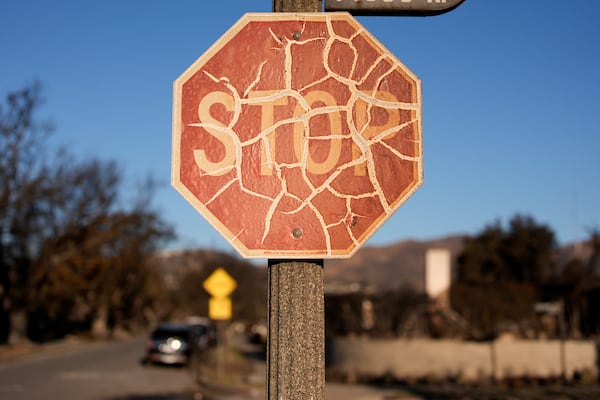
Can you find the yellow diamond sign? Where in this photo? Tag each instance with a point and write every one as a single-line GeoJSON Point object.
{"type": "Point", "coordinates": [219, 284]}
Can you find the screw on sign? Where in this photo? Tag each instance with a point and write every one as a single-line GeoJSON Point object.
{"type": "Point", "coordinates": [297, 135]}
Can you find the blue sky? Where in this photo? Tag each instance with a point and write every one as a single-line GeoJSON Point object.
{"type": "Point", "coordinates": [511, 106]}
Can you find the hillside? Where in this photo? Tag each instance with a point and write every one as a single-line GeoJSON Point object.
{"type": "Point", "coordinates": [384, 267]}
{"type": "Point", "coordinates": [389, 267]}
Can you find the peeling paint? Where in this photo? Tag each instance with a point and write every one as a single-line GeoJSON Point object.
{"type": "Point", "coordinates": [297, 135]}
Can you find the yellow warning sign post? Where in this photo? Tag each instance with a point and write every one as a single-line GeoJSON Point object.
{"type": "Point", "coordinates": [219, 285]}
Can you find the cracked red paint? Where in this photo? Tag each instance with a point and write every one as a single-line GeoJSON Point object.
{"type": "Point", "coordinates": [297, 135]}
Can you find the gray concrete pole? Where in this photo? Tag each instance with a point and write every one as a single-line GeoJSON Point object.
{"type": "Point", "coordinates": [296, 341]}
{"type": "Point", "coordinates": [297, 5]}
{"type": "Point", "coordinates": [296, 344]}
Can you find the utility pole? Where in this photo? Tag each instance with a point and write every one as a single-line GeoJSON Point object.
{"type": "Point", "coordinates": [297, 6]}
{"type": "Point", "coordinates": [296, 345]}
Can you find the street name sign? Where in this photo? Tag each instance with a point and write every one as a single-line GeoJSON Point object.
{"type": "Point", "coordinates": [297, 135]}
{"type": "Point", "coordinates": [393, 7]}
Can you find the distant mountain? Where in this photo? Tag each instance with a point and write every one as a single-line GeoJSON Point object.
{"type": "Point", "coordinates": [382, 267]}
{"type": "Point", "coordinates": [392, 266]}
{"type": "Point", "coordinates": [385, 267]}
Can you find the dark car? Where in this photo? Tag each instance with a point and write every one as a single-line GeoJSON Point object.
{"type": "Point", "coordinates": [170, 344]}
{"type": "Point", "coordinates": [204, 332]}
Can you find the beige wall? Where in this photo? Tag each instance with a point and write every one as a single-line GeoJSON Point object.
{"type": "Point", "coordinates": [467, 361]}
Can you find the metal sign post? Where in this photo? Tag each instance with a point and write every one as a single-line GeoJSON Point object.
{"type": "Point", "coordinates": [219, 285]}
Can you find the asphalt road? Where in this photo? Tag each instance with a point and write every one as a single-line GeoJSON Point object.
{"type": "Point", "coordinates": [98, 371]}
{"type": "Point", "coordinates": [112, 371]}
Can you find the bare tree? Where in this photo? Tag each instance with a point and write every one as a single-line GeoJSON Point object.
{"type": "Point", "coordinates": [21, 172]}
{"type": "Point", "coordinates": [71, 256]}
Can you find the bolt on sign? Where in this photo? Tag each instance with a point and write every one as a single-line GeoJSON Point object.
{"type": "Point", "coordinates": [297, 135]}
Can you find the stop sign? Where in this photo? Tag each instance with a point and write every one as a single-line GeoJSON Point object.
{"type": "Point", "coordinates": [297, 135]}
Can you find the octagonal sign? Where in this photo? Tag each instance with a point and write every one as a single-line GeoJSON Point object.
{"type": "Point", "coordinates": [297, 135]}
